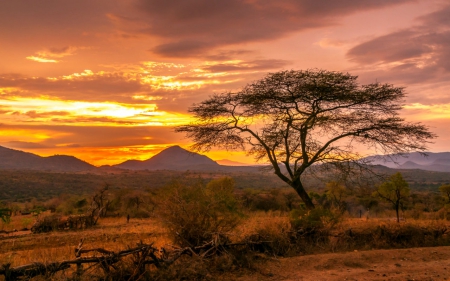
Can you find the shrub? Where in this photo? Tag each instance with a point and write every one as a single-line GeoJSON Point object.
{"type": "Point", "coordinates": [195, 213]}
{"type": "Point", "coordinates": [315, 219]}
{"type": "Point", "coordinates": [272, 237]}
{"type": "Point", "coordinates": [46, 224]}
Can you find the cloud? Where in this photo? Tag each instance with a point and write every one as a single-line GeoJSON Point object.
{"type": "Point", "coordinates": [96, 136]}
{"type": "Point", "coordinates": [194, 27]}
{"type": "Point", "coordinates": [24, 144]}
{"type": "Point", "coordinates": [327, 43]}
{"type": "Point", "coordinates": [46, 16]}
{"type": "Point", "coordinates": [405, 45]}
{"type": "Point", "coordinates": [420, 52]}
{"type": "Point", "coordinates": [145, 83]}
{"type": "Point", "coordinates": [78, 86]}
{"type": "Point", "coordinates": [41, 59]}
{"type": "Point", "coordinates": [264, 64]}
{"type": "Point", "coordinates": [34, 114]}
{"type": "Point", "coordinates": [51, 54]}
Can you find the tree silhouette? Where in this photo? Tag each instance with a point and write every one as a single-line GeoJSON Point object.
{"type": "Point", "coordinates": [395, 191]}
{"type": "Point", "coordinates": [300, 118]}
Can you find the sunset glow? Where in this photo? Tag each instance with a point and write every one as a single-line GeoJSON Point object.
{"type": "Point", "coordinates": [107, 81]}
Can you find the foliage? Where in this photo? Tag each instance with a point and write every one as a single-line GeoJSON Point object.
{"type": "Point", "coordinates": [5, 214]}
{"type": "Point", "coordinates": [194, 212]}
{"type": "Point", "coordinates": [445, 190]}
{"type": "Point", "coordinates": [46, 224]}
{"type": "Point", "coordinates": [395, 191]}
{"type": "Point", "coordinates": [299, 118]}
{"type": "Point", "coordinates": [336, 193]}
{"type": "Point", "coordinates": [393, 235]}
{"type": "Point", "coordinates": [310, 221]}
{"type": "Point", "coordinates": [277, 233]}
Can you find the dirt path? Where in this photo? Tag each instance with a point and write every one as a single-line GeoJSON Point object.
{"type": "Point", "coordinates": [402, 264]}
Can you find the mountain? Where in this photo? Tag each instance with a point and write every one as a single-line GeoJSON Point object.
{"type": "Point", "coordinates": [226, 162]}
{"type": "Point", "coordinates": [439, 162]}
{"type": "Point", "coordinates": [19, 160]}
{"type": "Point", "coordinates": [172, 158]}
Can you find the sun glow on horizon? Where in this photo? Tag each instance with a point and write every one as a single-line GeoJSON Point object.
{"type": "Point", "coordinates": [43, 110]}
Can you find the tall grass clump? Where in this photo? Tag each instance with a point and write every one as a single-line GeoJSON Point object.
{"type": "Point", "coordinates": [195, 213]}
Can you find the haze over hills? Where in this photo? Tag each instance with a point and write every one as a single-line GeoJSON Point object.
{"type": "Point", "coordinates": [226, 162]}
{"type": "Point", "coordinates": [19, 160]}
{"type": "Point", "coordinates": [439, 162]}
{"type": "Point", "coordinates": [176, 158]}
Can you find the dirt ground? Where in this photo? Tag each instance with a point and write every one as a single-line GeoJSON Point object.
{"type": "Point", "coordinates": [400, 264]}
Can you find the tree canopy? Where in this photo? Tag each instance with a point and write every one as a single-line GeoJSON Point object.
{"type": "Point", "coordinates": [395, 191]}
{"type": "Point", "coordinates": [295, 119]}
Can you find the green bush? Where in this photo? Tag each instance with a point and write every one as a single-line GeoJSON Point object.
{"type": "Point", "coordinates": [315, 219]}
{"type": "Point", "coordinates": [195, 213]}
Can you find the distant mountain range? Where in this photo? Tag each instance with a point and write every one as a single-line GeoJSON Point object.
{"type": "Point", "coordinates": [438, 162]}
{"type": "Point", "coordinates": [226, 162]}
{"type": "Point", "coordinates": [172, 158]}
{"type": "Point", "coordinates": [178, 159]}
{"type": "Point", "coordinates": [19, 160]}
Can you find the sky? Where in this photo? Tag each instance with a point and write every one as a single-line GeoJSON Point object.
{"type": "Point", "coordinates": [108, 80]}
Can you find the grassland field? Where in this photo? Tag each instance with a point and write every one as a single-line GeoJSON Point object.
{"type": "Point", "coordinates": [323, 263]}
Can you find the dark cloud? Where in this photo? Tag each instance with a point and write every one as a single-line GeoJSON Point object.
{"type": "Point", "coordinates": [440, 18]}
{"type": "Point", "coordinates": [34, 114]}
{"type": "Point", "coordinates": [402, 45]}
{"type": "Point", "coordinates": [24, 144]}
{"type": "Point", "coordinates": [96, 87]}
{"type": "Point", "coordinates": [111, 136]}
{"type": "Point", "coordinates": [411, 56]}
{"type": "Point", "coordinates": [53, 16]}
{"type": "Point", "coordinates": [248, 65]}
{"type": "Point", "coordinates": [191, 27]}
{"type": "Point", "coordinates": [222, 55]}
{"type": "Point", "coordinates": [58, 51]}
{"type": "Point", "coordinates": [90, 120]}
{"type": "Point", "coordinates": [73, 145]}
{"type": "Point", "coordinates": [184, 48]}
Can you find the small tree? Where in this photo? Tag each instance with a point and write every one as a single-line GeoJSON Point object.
{"type": "Point", "coordinates": [337, 192]}
{"type": "Point", "coordinates": [395, 191]}
{"type": "Point", "coordinates": [295, 119]}
{"type": "Point", "coordinates": [195, 213]}
{"type": "Point", "coordinates": [445, 190]}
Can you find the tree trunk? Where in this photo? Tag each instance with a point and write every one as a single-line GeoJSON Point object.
{"type": "Point", "coordinates": [298, 187]}
{"type": "Point", "coordinates": [396, 211]}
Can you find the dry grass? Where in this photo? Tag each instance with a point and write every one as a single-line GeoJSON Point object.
{"type": "Point", "coordinates": [112, 233]}
{"type": "Point", "coordinates": [116, 234]}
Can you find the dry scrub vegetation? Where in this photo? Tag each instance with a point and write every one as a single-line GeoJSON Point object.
{"type": "Point", "coordinates": [218, 237]}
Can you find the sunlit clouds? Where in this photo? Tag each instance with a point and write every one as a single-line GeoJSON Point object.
{"type": "Point", "coordinates": [41, 59]}
{"type": "Point", "coordinates": [108, 80]}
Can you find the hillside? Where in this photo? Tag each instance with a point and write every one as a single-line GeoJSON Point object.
{"type": "Point", "coordinates": [19, 160]}
{"type": "Point", "coordinates": [438, 162]}
{"type": "Point", "coordinates": [172, 158]}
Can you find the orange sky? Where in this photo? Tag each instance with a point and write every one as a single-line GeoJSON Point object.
{"type": "Point", "coordinates": [106, 80]}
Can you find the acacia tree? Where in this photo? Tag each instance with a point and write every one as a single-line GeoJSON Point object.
{"type": "Point", "coordinates": [300, 118]}
{"type": "Point", "coordinates": [395, 191]}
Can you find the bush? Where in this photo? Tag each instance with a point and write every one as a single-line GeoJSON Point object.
{"type": "Point", "coordinates": [272, 237]}
{"type": "Point", "coordinates": [315, 219]}
{"type": "Point", "coordinates": [394, 235]}
{"type": "Point", "coordinates": [46, 224]}
{"type": "Point", "coordinates": [195, 213]}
